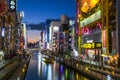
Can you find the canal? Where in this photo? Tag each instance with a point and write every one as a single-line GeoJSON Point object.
{"type": "Point", "coordinates": [39, 70]}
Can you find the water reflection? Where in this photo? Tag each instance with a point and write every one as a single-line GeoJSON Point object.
{"type": "Point", "coordinates": [39, 64]}
{"type": "Point", "coordinates": [39, 70]}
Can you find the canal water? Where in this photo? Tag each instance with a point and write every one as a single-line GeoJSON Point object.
{"type": "Point", "coordinates": [39, 70]}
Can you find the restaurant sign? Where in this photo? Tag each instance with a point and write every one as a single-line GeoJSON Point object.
{"type": "Point", "coordinates": [96, 45]}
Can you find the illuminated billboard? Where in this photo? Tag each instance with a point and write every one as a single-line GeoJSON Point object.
{"type": "Point", "coordinates": [94, 17]}
{"type": "Point", "coordinates": [104, 38]}
{"type": "Point", "coordinates": [88, 4]}
{"type": "Point", "coordinates": [96, 45]}
{"type": "Point", "coordinates": [3, 32]}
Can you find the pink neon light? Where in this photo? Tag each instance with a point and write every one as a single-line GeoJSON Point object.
{"type": "Point", "coordinates": [85, 30]}
{"type": "Point", "coordinates": [100, 26]}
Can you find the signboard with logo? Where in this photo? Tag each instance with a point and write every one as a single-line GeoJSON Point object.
{"type": "Point", "coordinates": [97, 45]}
{"type": "Point", "coordinates": [12, 5]}
{"type": "Point", "coordinates": [104, 38]}
{"type": "Point", "coordinates": [94, 17]}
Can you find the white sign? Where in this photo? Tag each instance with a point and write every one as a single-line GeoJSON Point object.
{"type": "Point", "coordinates": [12, 4]}
{"type": "Point", "coordinates": [3, 32]}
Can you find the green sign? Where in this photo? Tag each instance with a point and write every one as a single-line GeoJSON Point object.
{"type": "Point", "coordinates": [94, 17]}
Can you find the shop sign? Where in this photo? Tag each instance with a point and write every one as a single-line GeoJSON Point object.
{"type": "Point", "coordinates": [96, 45]}
{"type": "Point", "coordinates": [94, 17]}
{"type": "Point", "coordinates": [88, 45]}
{"type": "Point", "coordinates": [12, 5]}
{"type": "Point", "coordinates": [104, 38]}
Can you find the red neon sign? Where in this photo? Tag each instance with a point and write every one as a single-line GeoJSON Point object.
{"type": "Point", "coordinates": [104, 38]}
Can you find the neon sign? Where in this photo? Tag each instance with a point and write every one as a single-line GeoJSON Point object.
{"type": "Point", "coordinates": [85, 31]}
{"type": "Point", "coordinates": [104, 38]}
{"type": "Point", "coordinates": [88, 4]}
{"type": "Point", "coordinates": [88, 45]}
{"type": "Point", "coordinates": [3, 32]}
{"type": "Point", "coordinates": [94, 17]}
{"type": "Point", "coordinates": [99, 25]}
{"type": "Point", "coordinates": [92, 45]}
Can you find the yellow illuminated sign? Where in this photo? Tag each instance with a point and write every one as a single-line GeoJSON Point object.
{"type": "Point", "coordinates": [91, 45]}
{"type": "Point", "coordinates": [98, 45]}
{"type": "Point", "coordinates": [88, 4]}
{"type": "Point", "coordinates": [88, 45]}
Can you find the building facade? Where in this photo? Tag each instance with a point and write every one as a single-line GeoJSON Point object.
{"type": "Point", "coordinates": [43, 40]}
{"type": "Point", "coordinates": [7, 27]}
{"type": "Point", "coordinates": [53, 36]}
{"type": "Point", "coordinates": [96, 21]}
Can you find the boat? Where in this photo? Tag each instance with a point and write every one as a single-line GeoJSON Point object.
{"type": "Point", "coordinates": [47, 59]}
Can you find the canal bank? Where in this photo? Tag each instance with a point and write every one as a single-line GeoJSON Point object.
{"type": "Point", "coordinates": [18, 72]}
{"type": "Point", "coordinates": [94, 72]}
{"type": "Point", "coordinates": [8, 69]}
{"type": "Point", "coordinates": [79, 68]}
{"type": "Point", "coordinates": [83, 69]}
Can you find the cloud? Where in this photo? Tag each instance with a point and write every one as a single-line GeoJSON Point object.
{"type": "Point", "coordinates": [40, 26]}
{"type": "Point", "coordinates": [33, 35]}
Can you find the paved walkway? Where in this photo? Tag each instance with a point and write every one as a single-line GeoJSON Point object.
{"type": "Point", "coordinates": [6, 71]}
{"type": "Point", "coordinates": [3, 63]}
{"type": "Point", "coordinates": [20, 72]}
{"type": "Point", "coordinates": [17, 75]}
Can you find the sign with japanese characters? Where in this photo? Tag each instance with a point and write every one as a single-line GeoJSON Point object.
{"type": "Point", "coordinates": [92, 45]}
{"type": "Point", "coordinates": [12, 5]}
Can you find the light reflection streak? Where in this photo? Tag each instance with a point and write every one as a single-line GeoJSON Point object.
{"type": "Point", "coordinates": [76, 76]}
{"type": "Point", "coordinates": [61, 69]}
{"type": "Point", "coordinates": [66, 74]}
{"type": "Point", "coordinates": [39, 63]}
{"type": "Point", "coordinates": [49, 73]}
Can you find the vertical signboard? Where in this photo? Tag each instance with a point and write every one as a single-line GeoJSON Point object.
{"type": "Point", "coordinates": [104, 45]}
{"type": "Point", "coordinates": [3, 31]}
{"type": "Point", "coordinates": [114, 41]}
{"type": "Point", "coordinates": [12, 5]}
{"type": "Point", "coordinates": [104, 38]}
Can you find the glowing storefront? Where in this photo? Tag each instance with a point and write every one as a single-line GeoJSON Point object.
{"type": "Point", "coordinates": [90, 29]}
{"type": "Point", "coordinates": [96, 24]}
{"type": "Point", "coordinates": [91, 36]}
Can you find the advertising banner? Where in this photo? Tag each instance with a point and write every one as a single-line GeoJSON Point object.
{"type": "Point", "coordinates": [114, 41]}
{"type": "Point", "coordinates": [104, 38]}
